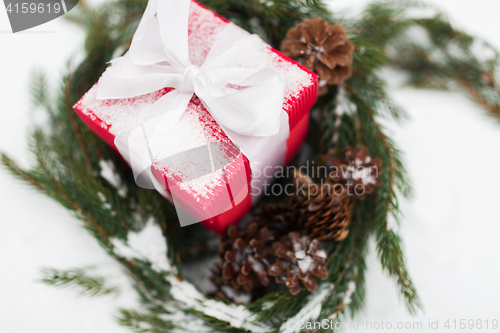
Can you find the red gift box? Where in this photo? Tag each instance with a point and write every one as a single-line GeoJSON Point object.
{"type": "Point", "coordinates": [204, 196]}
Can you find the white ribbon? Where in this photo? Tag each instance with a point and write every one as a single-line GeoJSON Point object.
{"type": "Point", "coordinates": [251, 116]}
{"type": "Point", "coordinates": [160, 55]}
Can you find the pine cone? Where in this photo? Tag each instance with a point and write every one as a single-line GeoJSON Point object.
{"type": "Point", "coordinates": [357, 171]}
{"type": "Point", "coordinates": [224, 292]}
{"type": "Point", "coordinates": [323, 211]}
{"type": "Point", "coordinates": [276, 216]}
{"type": "Point", "coordinates": [244, 257]}
{"type": "Point", "coordinates": [300, 261]}
{"type": "Point", "coordinates": [323, 48]}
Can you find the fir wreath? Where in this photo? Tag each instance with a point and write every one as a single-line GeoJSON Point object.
{"type": "Point", "coordinates": [136, 227]}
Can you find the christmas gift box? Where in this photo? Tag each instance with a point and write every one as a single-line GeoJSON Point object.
{"type": "Point", "coordinates": [202, 111]}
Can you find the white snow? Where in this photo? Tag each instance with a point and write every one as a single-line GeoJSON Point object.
{"type": "Point", "coordinates": [344, 106]}
{"type": "Point", "coordinates": [148, 244]}
{"type": "Point", "coordinates": [105, 204]}
{"type": "Point", "coordinates": [109, 173]}
{"type": "Point", "coordinates": [305, 263]}
{"type": "Point", "coordinates": [351, 288]}
{"type": "Point", "coordinates": [300, 254]}
{"type": "Point", "coordinates": [481, 51]}
{"type": "Point", "coordinates": [241, 298]}
{"type": "Point", "coordinates": [363, 173]}
{"type": "Point", "coordinates": [392, 223]}
{"type": "Point", "coordinates": [310, 311]}
{"type": "Point", "coordinates": [186, 322]}
{"type": "Point", "coordinates": [320, 253]}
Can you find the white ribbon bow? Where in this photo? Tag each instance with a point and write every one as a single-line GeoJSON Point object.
{"type": "Point", "coordinates": [159, 58]}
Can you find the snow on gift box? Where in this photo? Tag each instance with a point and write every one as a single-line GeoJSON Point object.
{"type": "Point", "coordinates": [201, 111]}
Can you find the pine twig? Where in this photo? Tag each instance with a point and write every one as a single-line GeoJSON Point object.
{"type": "Point", "coordinates": [15, 170]}
{"type": "Point", "coordinates": [68, 199]}
{"type": "Point", "coordinates": [77, 279]}
{"type": "Point", "coordinates": [74, 125]}
{"type": "Point", "coordinates": [493, 109]}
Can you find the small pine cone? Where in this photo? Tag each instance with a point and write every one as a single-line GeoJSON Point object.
{"type": "Point", "coordinates": [323, 48]}
{"type": "Point", "coordinates": [357, 171]}
{"type": "Point", "coordinates": [323, 211]}
{"type": "Point", "coordinates": [224, 292]}
{"type": "Point", "coordinates": [244, 257]}
{"type": "Point", "coordinates": [300, 261]}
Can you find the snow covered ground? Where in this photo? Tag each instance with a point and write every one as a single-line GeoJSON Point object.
{"type": "Point", "coordinates": [450, 229]}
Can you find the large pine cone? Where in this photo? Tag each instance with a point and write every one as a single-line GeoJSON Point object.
{"type": "Point", "coordinates": [245, 255]}
{"type": "Point", "coordinates": [323, 48]}
{"type": "Point", "coordinates": [323, 211]}
{"type": "Point", "coordinates": [356, 171]}
{"type": "Point", "coordinates": [300, 261]}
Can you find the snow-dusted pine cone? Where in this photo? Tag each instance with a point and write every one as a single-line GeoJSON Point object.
{"type": "Point", "coordinates": [321, 47]}
{"type": "Point", "coordinates": [356, 171]}
{"type": "Point", "coordinates": [300, 261]}
{"type": "Point", "coordinates": [323, 210]}
{"type": "Point", "coordinates": [244, 256]}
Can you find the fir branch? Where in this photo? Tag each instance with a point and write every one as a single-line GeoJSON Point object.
{"type": "Point", "coordinates": [280, 304]}
{"type": "Point", "coordinates": [146, 294]}
{"type": "Point", "coordinates": [77, 279]}
{"type": "Point", "coordinates": [74, 124]}
{"type": "Point", "coordinates": [16, 171]}
{"type": "Point", "coordinates": [54, 187]}
{"type": "Point", "coordinates": [475, 92]}
{"type": "Point", "coordinates": [39, 89]}
{"type": "Point", "coordinates": [391, 256]}
{"type": "Point", "coordinates": [354, 112]}
{"type": "Point", "coordinates": [448, 56]}
{"type": "Point", "coordinates": [144, 323]}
